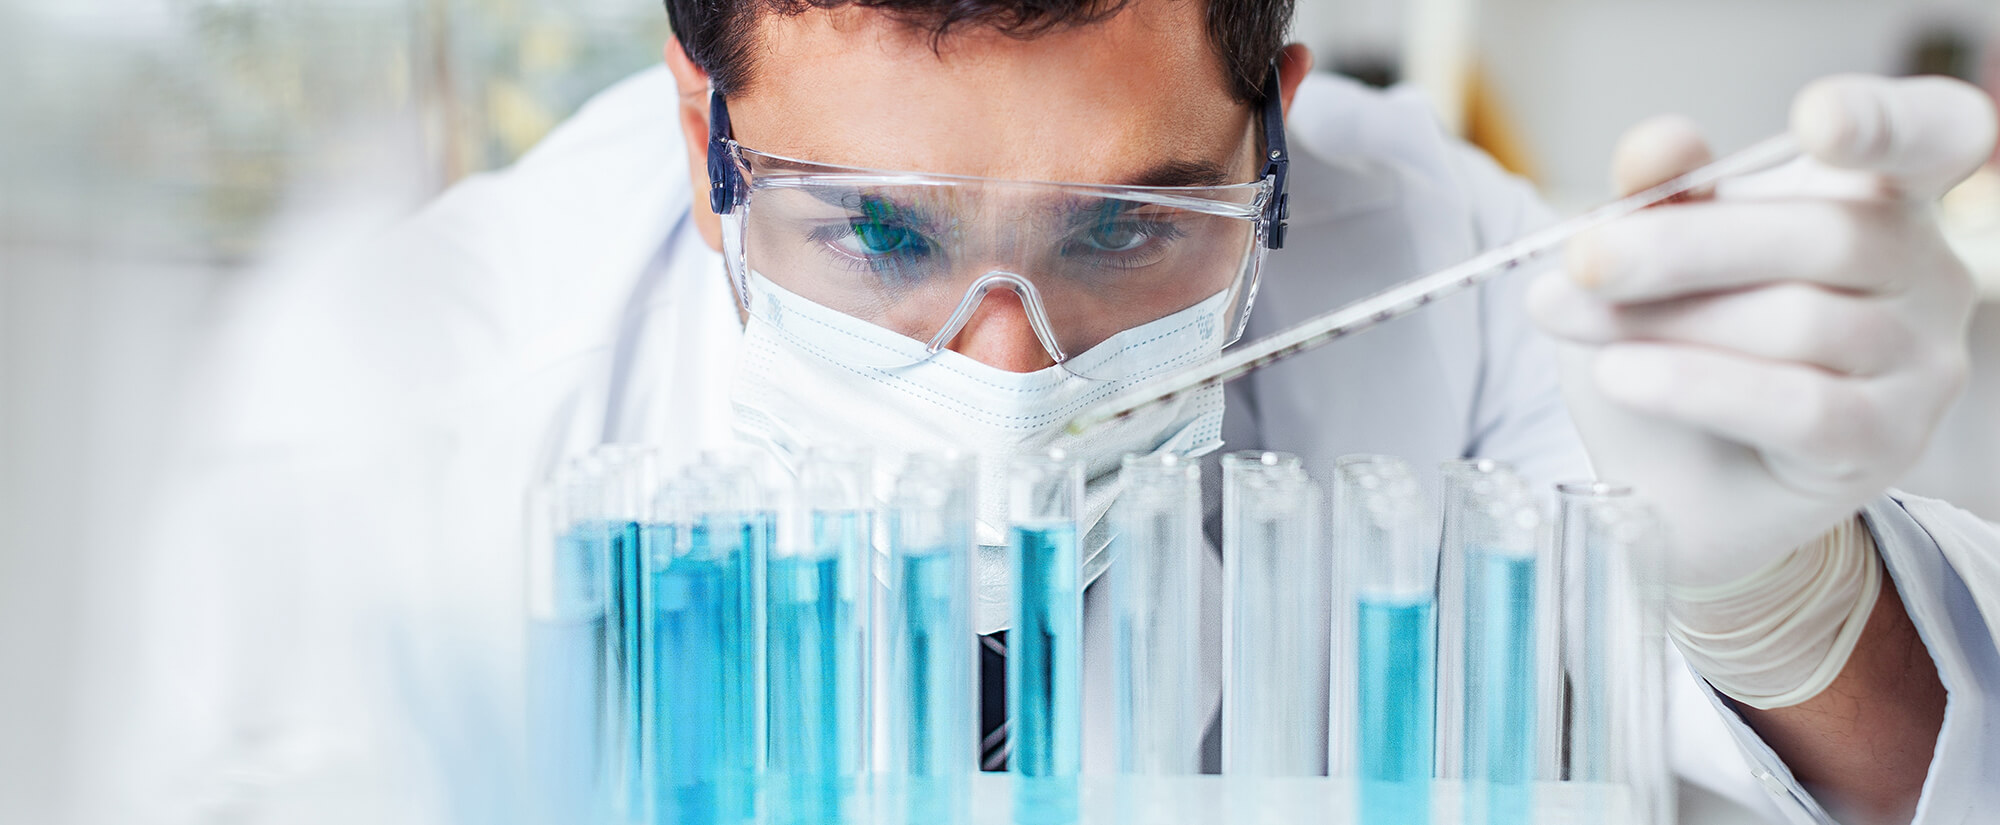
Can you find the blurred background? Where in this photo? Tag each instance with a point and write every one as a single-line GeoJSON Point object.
{"type": "Point", "coordinates": [160, 156]}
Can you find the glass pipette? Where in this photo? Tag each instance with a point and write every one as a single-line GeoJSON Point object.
{"type": "Point", "coordinates": [1409, 296]}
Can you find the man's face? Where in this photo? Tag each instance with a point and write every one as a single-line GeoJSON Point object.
{"type": "Point", "coordinates": [1140, 98]}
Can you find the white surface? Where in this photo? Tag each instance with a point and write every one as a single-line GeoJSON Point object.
{"type": "Point", "coordinates": [1219, 800]}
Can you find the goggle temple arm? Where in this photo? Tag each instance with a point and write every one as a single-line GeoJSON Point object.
{"type": "Point", "coordinates": [725, 181]}
{"type": "Point", "coordinates": [1277, 161]}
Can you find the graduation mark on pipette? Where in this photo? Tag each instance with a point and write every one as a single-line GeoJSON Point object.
{"type": "Point", "coordinates": [1410, 296]}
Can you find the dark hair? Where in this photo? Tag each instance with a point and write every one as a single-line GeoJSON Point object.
{"type": "Point", "coordinates": [717, 34]}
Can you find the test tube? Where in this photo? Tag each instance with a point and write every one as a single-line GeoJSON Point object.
{"type": "Point", "coordinates": [631, 473]}
{"type": "Point", "coordinates": [932, 707]}
{"type": "Point", "coordinates": [1272, 621]}
{"type": "Point", "coordinates": [746, 519]}
{"type": "Point", "coordinates": [1156, 613]}
{"type": "Point", "coordinates": [1611, 648]}
{"type": "Point", "coordinates": [565, 652]}
{"type": "Point", "coordinates": [1396, 566]}
{"type": "Point", "coordinates": [707, 540]}
{"type": "Point", "coordinates": [625, 476]}
{"type": "Point", "coordinates": [682, 695]}
{"type": "Point", "coordinates": [1462, 478]}
{"type": "Point", "coordinates": [1497, 524]}
{"type": "Point", "coordinates": [818, 607]}
{"type": "Point", "coordinates": [1044, 647]}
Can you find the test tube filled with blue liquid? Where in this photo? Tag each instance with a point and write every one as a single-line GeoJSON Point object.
{"type": "Point", "coordinates": [932, 682]}
{"type": "Point", "coordinates": [1395, 565]}
{"type": "Point", "coordinates": [701, 661]}
{"type": "Point", "coordinates": [565, 649]}
{"type": "Point", "coordinates": [1495, 529]}
{"type": "Point", "coordinates": [1611, 651]}
{"type": "Point", "coordinates": [1156, 616]}
{"type": "Point", "coordinates": [1044, 646]}
{"type": "Point", "coordinates": [819, 586]}
{"type": "Point", "coordinates": [1273, 624]}
{"type": "Point", "coordinates": [747, 517]}
{"type": "Point", "coordinates": [683, 692]}
{"type": "Point", "coordinates": [625, 479]}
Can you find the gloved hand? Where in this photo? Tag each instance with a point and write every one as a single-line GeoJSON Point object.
{"type": "Point", "coordinates": [1761, 362]}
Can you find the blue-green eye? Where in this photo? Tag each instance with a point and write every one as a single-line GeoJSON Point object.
{"type": "Point", "coordinates": [1121, 237]}
{"type": "Point", "coordinates": [881, 232]}
{"type": "Point", "coordinates": [873, 238]}
{"type": "Point", "coordinates": [1125, 243]}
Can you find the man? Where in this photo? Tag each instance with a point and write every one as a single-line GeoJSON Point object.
{"type": "Point", "coordinates": [1761, 361]}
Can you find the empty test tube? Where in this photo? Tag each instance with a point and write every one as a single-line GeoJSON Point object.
{"type": "Point", "coordinates": [1272, 624]}
{"type": "Point", "coordinates": [1156, 616]}
{"type": "Point", "coordinates": [817, 625]}
{"type": "Point", "coordinates": [932, 706]}
{"type": "Point", "coordinates": [1459, 479]}
{"type": "Point", "coordinates": [1611, 654]}
{"type": "Point", "coordinates": [1395, 564]}
{"type": "Point", "coordinates": [565, 652]}
{"type": "Point", "coordinates": [1044, 647]}
{"type": "Point", "coordinates": [1497, 525]}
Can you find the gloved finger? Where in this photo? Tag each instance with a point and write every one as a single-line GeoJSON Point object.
{"type": "Point", "coordinates": [1839, 332]}
{"type": "Point", "coordinates": [1831, 423]}
{"type": "Point", "coordinates": [1657, 150]}
{"type": "Point", "coordinates": [1924, 134]}
{"type": "Point", "coordinates": [1723, 245]}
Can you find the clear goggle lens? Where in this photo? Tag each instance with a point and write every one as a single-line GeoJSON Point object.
{"type": "Point", "coordinates": [920, 255]}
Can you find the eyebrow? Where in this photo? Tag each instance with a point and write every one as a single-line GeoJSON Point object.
{"type": "Point", "coordinates": [1183, 173]}
{"type": "Point", "coordinates": [857, 200]}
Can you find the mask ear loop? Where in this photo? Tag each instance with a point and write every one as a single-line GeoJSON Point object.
{"type": "Point", "coordinates": [1031, 300]}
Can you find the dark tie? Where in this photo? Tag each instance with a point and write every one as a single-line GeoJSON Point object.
{"type": "Point", "coordinates": [994, 742]}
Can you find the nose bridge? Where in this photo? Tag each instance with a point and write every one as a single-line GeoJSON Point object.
{"type": "Point", "coordinates": [1023, 289]}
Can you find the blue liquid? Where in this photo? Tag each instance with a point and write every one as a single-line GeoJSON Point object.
{"type": "Point", "coordinates": [564, 712]}
{"type": "Point", "coordinates": [687, 691]}
{"type": "Point", "coordinates": [567, 715]}
{"type": "Point", "coordinates": [934, 710]}
{"type": "Point", "coordinates": [701, 659]}
{"type": "Point", "coordinates": [584, 581]}
{"type": "Point", "coordinates": [578, 581]}
{"type": "Point", "coordinates": [1500, 687]}
{"type": "Point", "coordinates": [743, 630]}
{"type": "Point", "coordinates": [1044, 674]}
{"type": "Point", "coordinates": [1395, 697]}
{"type": "Point", "coordinates": [623, 621]}
{"type": "Point", "coordinates": [818, 660]}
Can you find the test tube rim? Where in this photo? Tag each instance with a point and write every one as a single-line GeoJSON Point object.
{"type": "Point", "coordinates": [1164, 462]}
{"type": "Point", "coordinates": [1256, 459]}
{"type": "Point", "coordinates": [1473, 467]}
{"type": "Point", "coordinates": [1598, 489]}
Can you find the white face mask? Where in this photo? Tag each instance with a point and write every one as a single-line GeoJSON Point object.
{"type": "Point", "coordinates": [801, 383]}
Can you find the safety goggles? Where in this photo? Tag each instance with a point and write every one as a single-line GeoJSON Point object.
{"type": "Point", "coordinates": [918, 254]}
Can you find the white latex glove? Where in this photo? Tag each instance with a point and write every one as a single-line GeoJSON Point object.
{"type": "Point", "coordinates": [1762, 362]}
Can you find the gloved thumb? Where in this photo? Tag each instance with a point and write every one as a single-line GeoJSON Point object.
{"type": "Point", "coordinates": [1924, 134]}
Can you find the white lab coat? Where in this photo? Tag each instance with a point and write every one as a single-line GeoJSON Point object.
{"type": "Point", "coordinates": [353, 522]}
